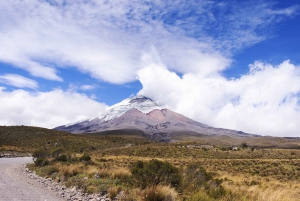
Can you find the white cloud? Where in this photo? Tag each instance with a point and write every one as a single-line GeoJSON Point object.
{"type": "Point", "coordinates": [46, 109]}
{"type": "Point", "coordinates": [87, 87]}
{"type": "Point", "coordinates": [107, 39]}
{"type": "Point", "coordinates": [113, 40]}
{"type": "Point", "coordinates": [266, 101]}
{"type": "Point", "coordinates": [18, 81]}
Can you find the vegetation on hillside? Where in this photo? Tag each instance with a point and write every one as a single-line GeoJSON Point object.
{"type": "Point", "coordinates": [146, 170]}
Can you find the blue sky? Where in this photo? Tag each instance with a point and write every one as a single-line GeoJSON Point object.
{"type": "Point", "coordinates": [229, 64]}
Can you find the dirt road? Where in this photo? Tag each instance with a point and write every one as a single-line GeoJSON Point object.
{"type": "Point", "coordinates": [16, 186]}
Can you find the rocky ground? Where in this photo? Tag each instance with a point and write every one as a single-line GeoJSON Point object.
{"type": "Point", "coordinates": [15, 185]}
{"type": "Point", "coordinates": [11, 154]}
{"type": "Point", "coordinates": [19, 183]}
{"type": "Point", "coordinates": [70, 194]}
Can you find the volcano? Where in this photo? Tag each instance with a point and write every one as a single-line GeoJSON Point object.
{"type": "Point", "coordinates": [142, 114]}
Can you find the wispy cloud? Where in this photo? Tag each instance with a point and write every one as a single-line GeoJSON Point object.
{"type": "Point", "coordinates": [18, 81]}
{"type": "Point", "coordinates": [87, 87]}
{"type": "Point", "coordinates": [108, 39]}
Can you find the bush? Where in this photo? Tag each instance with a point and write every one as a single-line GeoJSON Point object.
{"type": "Point", "coordinates": [41, 162]}
{"type": "Point", "coordinates": [49, 170]}
{"type": "Point", "coordinates": [62, 158]}
{"type": "Point", "coordinates": [78, 181]}
{"type": "Point", "coordinates": [200, 196]}
{"type": "Point", "coordinates": [244, 145]}
{"type": "Point", "coordinates": [155, 172]}
{"type": "Point", "coordinates": [85, 157]}
{"type": "Point", "coordinates": [56, 152]}
{"type": "Point", "coordinates": [41, 153]}
{"type": "Point", "coordinates": [216, 192]}
{"type": "Point", "coordinates": [197, 175]}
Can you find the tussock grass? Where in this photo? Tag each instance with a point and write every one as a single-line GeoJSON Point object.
{"type": "Point", "coordinates": [69, 171]}
{"type": "Point", "coordinates": [159, 193]}
{"type": "Point", "coordinates": [251, 173]}
{"type": "Point", "coordinates": [119, 172]}
{"type": "Point", "coordinates": [113, 192]}
{"type": "Point", "coordinates": [262, 189]}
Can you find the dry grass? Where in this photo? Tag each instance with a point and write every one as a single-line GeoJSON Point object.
{"type": "Point", "coordinates": [159, 193]}
{"type": "Point", "coordinates": [113, 172]}
{"type": "Point", "coordinates": [69, 171]}
{"type": "Point", "coordinates": [91, 170]}
{"type": "Point", "coordinates": [259, 174]}
{"type": "Point", "coordinates": [6, 148]}
{"type": "Point", "coordinates": [261, 189]}
{"type": "Point", "coordinates": [264, 174]}
{"type": "Point", "coordinates": [119, 172]}
{"type": "Point", "coordinates": [113, 192]}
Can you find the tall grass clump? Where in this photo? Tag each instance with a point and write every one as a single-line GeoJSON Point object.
{"type": "Point", "coordinates": [159, 193]}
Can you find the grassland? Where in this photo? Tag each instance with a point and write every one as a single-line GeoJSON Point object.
{"type": "Point", "coordinates": [264, 169]}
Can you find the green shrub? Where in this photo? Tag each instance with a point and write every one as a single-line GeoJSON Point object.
{"type": "Point", "coordinates": [253, 183]}
{"type": "Point", "coordinates": [78, 181]}
{"type": "Point", "coordinates": [56, 152]}
{"type": "Point", "coordinates": [196, 176]}
{"type": "Point", "coordinates": [200, 196]}
{"type": "Point", "coordinates": [41, 162]}
{"type": "Point", "coordinates": [216, 192]}
{"type": "Point", "coordinates": [49, 170]}
{"type": "Point", "coordinates": [85, 157]}
{"type": "Point", "coordinates": [244, 145]}
{"type": "Point", "coordinates": [127, 180]}
{"type": "Point", "coordinates": [155, 172]}
{"type": "Point", "coordinates": [41, 153]}
{"type": "Point", "coordinates": [62, 158]}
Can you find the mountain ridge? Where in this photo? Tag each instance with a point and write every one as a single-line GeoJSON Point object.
{"type": "Point", "coordinates": [143, 114]}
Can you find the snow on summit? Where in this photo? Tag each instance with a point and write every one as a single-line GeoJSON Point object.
{"type": "Point", "coordinates": [141, 103]}
{"type": "Point", "coordinates": [142, 114]}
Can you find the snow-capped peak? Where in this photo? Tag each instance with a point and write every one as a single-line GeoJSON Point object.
{"type": "Point", "coordinates": [77, 122]}
{"type": "Point", "coordinates": [141, 103]}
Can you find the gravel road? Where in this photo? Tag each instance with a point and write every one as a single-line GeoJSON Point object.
{"type": "Point", "coordinates": [16, 186]}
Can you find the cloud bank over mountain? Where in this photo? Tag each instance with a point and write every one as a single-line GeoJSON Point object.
{"type": "Point", "coordinates": [264, 101]}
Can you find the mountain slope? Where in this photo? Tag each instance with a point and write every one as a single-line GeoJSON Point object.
{"type": "Point", "coordinates": [141, 113]}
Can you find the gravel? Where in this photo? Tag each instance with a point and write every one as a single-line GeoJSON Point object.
{"type": "Point", "coordinates": [19, 183]}
{"type": "Point", "coordinates": [17, 186]}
